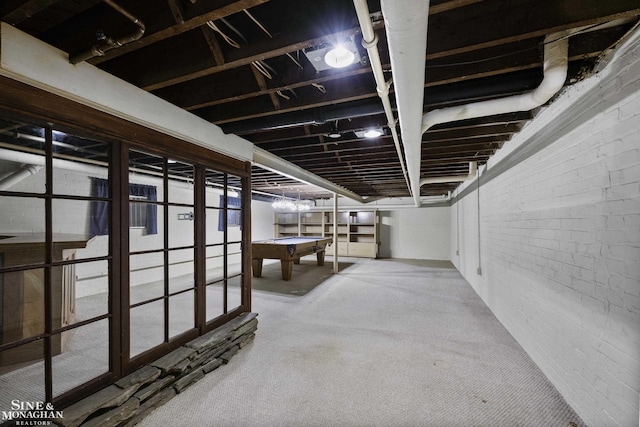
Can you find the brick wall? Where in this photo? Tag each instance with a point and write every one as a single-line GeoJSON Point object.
{"type": "Point", "coordinates": [558, 241]}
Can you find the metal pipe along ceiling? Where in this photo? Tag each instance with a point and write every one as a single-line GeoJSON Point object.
{"type": "Point", "coordinates": [109, 43]}
{"type": "Point", "coordinates": [370, 42]}
{"type": "Point", "coordinates": [18, 175]}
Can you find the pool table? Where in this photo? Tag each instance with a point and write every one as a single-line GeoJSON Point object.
{"type": "Point", "coordinates": [288, 250]}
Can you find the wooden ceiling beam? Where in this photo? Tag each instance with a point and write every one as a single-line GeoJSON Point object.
{"type": "Point", "coordinates": [262, 84]}
{"type": "Point", "coordinates": [450, 5]}
{"type": "Point", "coordinates": [477, 35]}
{"type": "Point", "coordinates": [357, 88]}
{"type": "Point", "coordinates": [332, 145]}
{"type": "Point", "coordinates": [313, 132]}
{"type": "Point", "coordinates": [205, 92]}
{"type": "Point", "coordinates": [27, 10]}
{"type": "Point", "coordinates": [248, 111]}
{"type": "Point", "coordinates": [201, 93]}
{"type": "Point", "coordinates": [214, 46]}
{"type": "Point", "coordinates": [205, 99]}
{"type": "Point", "coordinates": [176, 11]}
{"type": "Point", "coordinates": [267, 48]}
{"type": "Point", "coordinates": [333, 166]}
{"type": "Point", "coordinates": [229, 8]}
{"type": "Point", "coordinates": [456, 33]}
{"type": "Point", "coordinates": [285, 138]}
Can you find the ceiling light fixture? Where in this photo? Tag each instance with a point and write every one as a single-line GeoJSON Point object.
{"type": "Point", "coordinates": [373, 133]}
{"type": "Point", "coordinates": [284, 204]}
{"type": "Point", "coordinates": [330, 55]}
{"type": "Point", "coordinates": [334, 132]}
{"type": "Point", "coordinates": [369, 133]}
{"type": "Point", "coordinates": [339, 57]}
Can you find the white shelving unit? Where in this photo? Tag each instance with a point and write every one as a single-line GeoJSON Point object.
{"type": "Point", "coordinates": [357, 229]}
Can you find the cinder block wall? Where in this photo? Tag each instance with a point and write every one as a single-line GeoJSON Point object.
{"type": "Point", "coordinates": [558, 241]}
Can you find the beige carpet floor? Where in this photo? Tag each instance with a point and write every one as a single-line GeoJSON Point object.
{"type": "Point", "coordinates": [382, 343]}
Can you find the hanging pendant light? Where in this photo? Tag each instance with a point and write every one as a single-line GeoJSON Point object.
{"type": "Point", "coordinates": [284, 204]}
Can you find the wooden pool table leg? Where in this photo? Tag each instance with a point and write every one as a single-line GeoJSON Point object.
{"type": "Point", "coordinates": [320, 257]}
{"type": "Point", "coordinates": [256, 265]}
{"type": "Point", "coordinates": [287, 269]}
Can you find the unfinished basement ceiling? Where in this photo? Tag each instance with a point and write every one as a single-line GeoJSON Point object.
{"type": "Point", "coordinates": [254, 68]}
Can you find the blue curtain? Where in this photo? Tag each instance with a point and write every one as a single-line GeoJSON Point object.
{"type": "Point", "coordinates": [234, 218]}
{"type": "Point", "coordinates": [99, 222]}
{"type": "Point", "coordinates": [100, 209]}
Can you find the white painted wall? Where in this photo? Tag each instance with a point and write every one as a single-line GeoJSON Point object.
{"type": "Point", "coordinates": [262, 218]}
{"type": "Point", "coordinates": [559, 241]}
{"type": "Point", "coordinates": [405, 231]}
{"type": "Point", "coordinates": [415, 233]}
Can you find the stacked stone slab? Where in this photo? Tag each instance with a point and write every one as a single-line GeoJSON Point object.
{"type": "Point", "coordinates": [126, 402]}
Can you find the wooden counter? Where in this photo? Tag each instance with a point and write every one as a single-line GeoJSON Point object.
{"type": "Point", "coordinates": [22, 292]}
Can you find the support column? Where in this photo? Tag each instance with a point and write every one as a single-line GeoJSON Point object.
{"type": "Point", "coordinates": [335, 232]}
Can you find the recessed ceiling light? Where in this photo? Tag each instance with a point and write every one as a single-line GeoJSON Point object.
{"type": "Point", "coordinates": [339, 57]}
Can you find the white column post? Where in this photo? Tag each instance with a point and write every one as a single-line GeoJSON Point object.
{"type": "Point", "coordinates": [335, 232]}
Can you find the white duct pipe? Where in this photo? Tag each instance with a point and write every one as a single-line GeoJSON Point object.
{"type": "Point", "coordinates": [556, 47]}
{"type": "Point", "coordinates": [39, 161]}
{"type": "Point", "coordinates": [370, 42]}
{"type": "Point", "coordinates": [406, 27]}
{"type": "Point", "coordinates": [335, 233]}
{"type": "Point", "coordinates": [555, 73]}
{"type": "Point", "coordinates": [473, 169]}
{"type": "Point", "coordinates": [18, 175]}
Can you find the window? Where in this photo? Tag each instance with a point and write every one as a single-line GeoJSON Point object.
{"type": "Point", "coordinates": [142, 213]}
{"type": "Point", "coordinates": [137, 212]}
{"type": "Point", "coordinates": [54, 278]}
{"type": "Point", "coordinates": [233, 208]}
{"type": "Point", "coordinates": [92, 289]}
